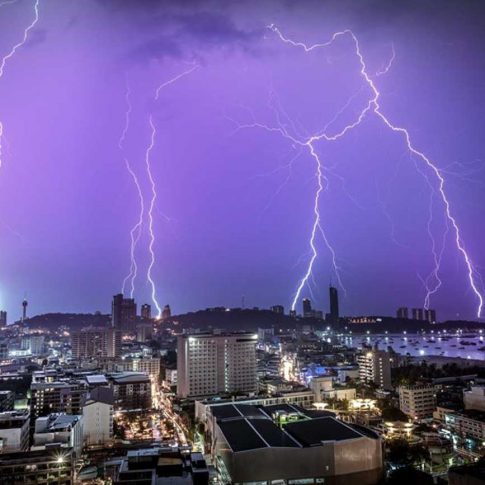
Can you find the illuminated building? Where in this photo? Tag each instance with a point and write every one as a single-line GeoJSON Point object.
{"type": "Point", "coordinates": [131, 390]}
{"type": "Point", "coordinates": [280, 309]}
{"type": "Point", "coordinates": [56, 397]}
{"type": "Point", "coordinates": [285, 444]}
{"type": "Point", "coordinates": [307, 308]}
{"type": "Point", "coordinates": [375, 366]}
{"type": "Point", "coordinates": [146, 311]}
{"type": "Point", "coordinates": [162, 465]}
{"type": "Point", "coordinates": [211, 364]}
{"type": "Point", "coordinates": [144, 331]}
{"type": "Point", "coordinates": [96, 342]}
{"type": "Point", "coordinates": [418, 402]}
{"type": "Point", "coordinates": [424, 314]}
{"type": "Point", "coordinates": [40, 467]}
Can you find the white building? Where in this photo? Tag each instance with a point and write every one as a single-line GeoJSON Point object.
{"type": "Point", "coordinates": [60, 429]}
{"type": "Point", "coordinates": [211, 364]}
{"type": "Point", "coordinates": [418, 402]}
{"type": "Point", "coordinates": [375, 366]}
{"type": "Point", "coordinates": [98, 417]}
{"type": "Point", "coordinates": [14, 431]}
{"type": "Point", "coordinates": [475, 398]}
{"type": "Point", "coordinates": [324, 389]}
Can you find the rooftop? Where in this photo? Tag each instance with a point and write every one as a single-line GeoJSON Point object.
{"type": "Point", "coordinates": [313, 432]}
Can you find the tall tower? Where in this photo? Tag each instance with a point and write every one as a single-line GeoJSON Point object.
{"type": "Point", "coordinates": [334, 313]}
{"type": "Point", "coordinates": [24, 310]}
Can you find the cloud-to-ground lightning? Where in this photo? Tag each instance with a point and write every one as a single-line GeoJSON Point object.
{"type": "Point", "coordinates": [153, 199]}
{"type": "Point", "coordinates": [6, 58]}
{"type": "Point", "coordinates": [153, 188]}
{"type": "Point", "coordinates": [136, 230]}
{"type": "Point", "coordinates": [374, 107]}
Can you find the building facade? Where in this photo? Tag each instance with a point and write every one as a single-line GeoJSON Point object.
{"type": "Point", "coordinates": [211, 364]}
{"type": "Point", "coordinates": [418, 402]}
{"type": "Point", "coordinates": [375, 366]}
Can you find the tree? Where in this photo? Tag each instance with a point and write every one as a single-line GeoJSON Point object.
{"type": "Point", "coordinates": [408, 475]}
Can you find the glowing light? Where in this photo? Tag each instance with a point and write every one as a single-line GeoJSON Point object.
{"type": "Point", "coordinates": [136, 230]}
{"type": "Point", "coordinates": [5, 59]}
{"type": "Point", "coordinates": [374, 107]}
{"type": "Point", "coordinates": [150, 216]}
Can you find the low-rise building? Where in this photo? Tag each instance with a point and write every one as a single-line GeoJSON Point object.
{"type": "Point", "coordinates": [7, 401]}
{"type": "Point", "coordinates": [61, 429]}
{"type": "Point", "coordinates": [131, 390]}
{"type": "Point", "coordinates": [40, 467]}
{"type": "Point", "coordinates": [154, 466]}
{"type": "Point", "coordinates": [252, 444]}
{"type": "Point", "coordinates": [474, 398]}
{"type": "Point", "coordinates": [14, 431]}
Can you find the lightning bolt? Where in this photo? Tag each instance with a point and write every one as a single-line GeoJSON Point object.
{"type": "Point", "coordinates": [373, 107]}
{"type": "Point", "coordinates": [136, 230]}
{"type": "Point", "coordinates": [153, 199]}
{"type": "Point", "coordinates": [153, 187]}
{"type": "Point", "coordinates": [5, 59]}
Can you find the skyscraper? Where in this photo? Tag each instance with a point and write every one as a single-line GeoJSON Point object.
{"type": "Point", "coordinates": [146, 311]}
{"type": "Point", "coordinates": [3, 319]}
{"type": "Point", "coordinates": [307, 308]}
{"type": "Point", "coordinates": [334, 313]}
{"type": "Point", "coordinates": [418, 313]}
{"type": "Point", "coordinates": [123, 312]}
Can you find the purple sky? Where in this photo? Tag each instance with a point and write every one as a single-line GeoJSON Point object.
{"type": "Point", "coordinates": [225, 221]}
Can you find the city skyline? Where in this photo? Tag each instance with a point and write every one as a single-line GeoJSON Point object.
{"type": "Point", "coordinates": [228, 208]}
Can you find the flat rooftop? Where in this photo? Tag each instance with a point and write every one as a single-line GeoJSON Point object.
{"type": "Point", "coordinates": [312, 432]}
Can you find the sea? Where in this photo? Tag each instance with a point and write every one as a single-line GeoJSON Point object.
{"type": "Point", "coordinates": [461, 344]}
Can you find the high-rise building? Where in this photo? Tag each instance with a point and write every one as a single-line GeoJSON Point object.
{"type": "Point", "coordinates": [211, 364]}
{"type": "Point", "coordinates": [98, 417]}
{"type": "Point", "coordinates": [402, 313]}
{"type": "Point", "coordinates": [166, 313]}
{"type": "Point", "coordinates": [307, 308]}
{"type": "Point", "coordinates": [417, 313]}
{"type": "Point", "coordinates": [334, 312]}
{"type": "Point", "coordinates": [146, 311]}
{"type": "Point", "coordinates": [280, 309]}
{"type": "Point", "coordinates": [93, 342]}
{"type": "Point", "coordinates": [418, 402]}
{"type": "Point", "coordinates": [424, 314]}
{"type": "Point", "coordinates": [430, 315]}
{"type": "Point", "coordinates": [375, 366]}
{"type": "Point", "coordinates": [3, 318]}
{"type": "Point", "coordinates": [123, 312]}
